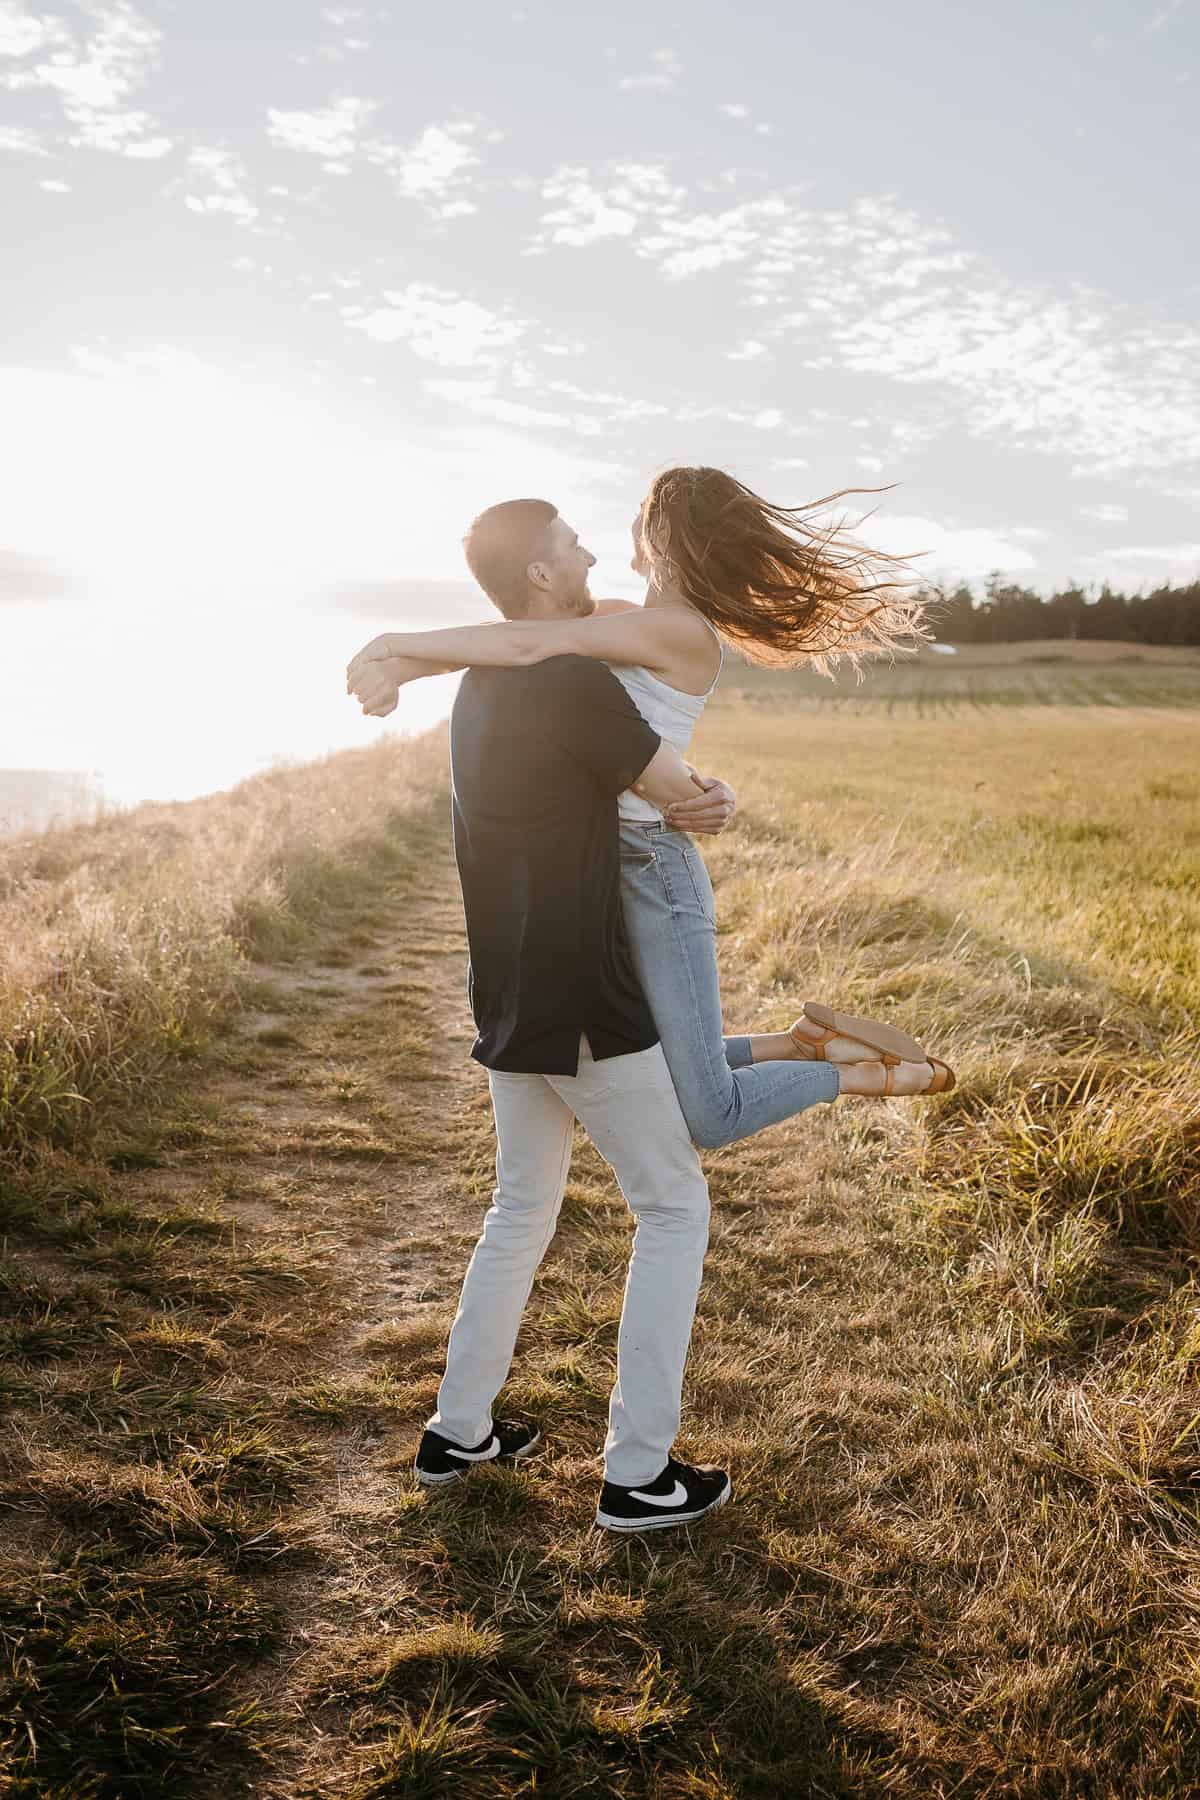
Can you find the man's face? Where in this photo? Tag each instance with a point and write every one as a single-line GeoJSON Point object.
{"type": "Point", "coordinates": [567, 565]}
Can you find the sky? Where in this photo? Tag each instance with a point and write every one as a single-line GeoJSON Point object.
{"type": "Point", "coordinates": [291, 291]}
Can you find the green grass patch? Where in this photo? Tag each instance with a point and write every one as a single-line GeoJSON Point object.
{"type": "Point", "coordinates": [115, 1669]}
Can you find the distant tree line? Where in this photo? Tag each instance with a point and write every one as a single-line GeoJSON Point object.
{"type": "Point", "coordinates": [1008, 612]}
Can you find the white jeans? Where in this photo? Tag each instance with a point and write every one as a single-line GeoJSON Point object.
{"type": "Point", "coordinates": [629, 1109]}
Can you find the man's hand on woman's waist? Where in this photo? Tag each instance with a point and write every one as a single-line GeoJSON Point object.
{"type": "Point", "coordinates": [710, 812]}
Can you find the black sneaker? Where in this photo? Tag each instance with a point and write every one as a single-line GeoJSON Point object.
{"type": "Point", "coordinates": [438, 1460]}
{"type": "Point", "coordinates": [676, 1497]}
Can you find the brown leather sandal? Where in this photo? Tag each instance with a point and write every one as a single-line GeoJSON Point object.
{"type": "Point", "coordinates": [889, 1043]}
{"type": "Point", "coordinates": [943, 1079]}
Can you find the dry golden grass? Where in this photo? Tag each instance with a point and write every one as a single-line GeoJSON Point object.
{"type": "Point", "coordinates": [948, 1348]}
{"type": "Point", "coordinates": [120, 939]}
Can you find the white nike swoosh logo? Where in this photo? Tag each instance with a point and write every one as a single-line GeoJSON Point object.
{"type": "Point", "coordinates": [672, 1499]}
{"type": "Point", "coordinates": [493, 1449]}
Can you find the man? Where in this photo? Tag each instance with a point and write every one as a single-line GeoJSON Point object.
{"type": "Point", "coordinates": [538, 757]}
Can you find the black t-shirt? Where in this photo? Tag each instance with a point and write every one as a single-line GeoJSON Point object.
{"type": "Point", "coordinates": [538, 756]}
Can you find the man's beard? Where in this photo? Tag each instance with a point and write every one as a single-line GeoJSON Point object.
{"type": "Point", "coordinates": [583, 602]}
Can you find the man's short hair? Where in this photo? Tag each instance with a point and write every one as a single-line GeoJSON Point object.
{"type": "Point", "coordinates": [501, 544]}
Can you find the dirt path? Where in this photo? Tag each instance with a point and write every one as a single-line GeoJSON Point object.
{"type": "Point", "coordinates": [343, 1114]}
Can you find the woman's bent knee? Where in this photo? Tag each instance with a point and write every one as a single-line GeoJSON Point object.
{"type": "Point", "coordinates": [708, 1127]}
{"type": "Point", "coordinates": [710, 1111]}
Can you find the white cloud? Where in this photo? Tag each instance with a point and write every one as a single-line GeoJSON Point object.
{"type": "Point", "coordinates": [348, 25]}
{"type": "Point", "coordinates": [685, 245]}
{"type": "Point", "coordinates": [598, 412]}
{"type": "Point", "coordinates": [1184, 555]}
{"type": "Point", "coordinates": [439, 326]}
{"type": "Point", "coordinates": [21, 140]}
{"type": "Point", "coordinates": [692, 415]}
{"type": "Point", "coordinates": [93, 77]}
{"type": "Point", "coordinates": [437, 159]}
{"type": "Point", "coordinates": [1107, 512]}
{"type": "Point", "coordinates": [222, 175]}
{"type": "Point", "coordinates": [877, 290]}
{"type": "Point", "coordinates": [586, 213]}
{"type": "Point", "coordinates": [748, 352]}
{"type": "Point", "coordinates": [615, 408]}
{"type": "Point", "coordinates": [1079, 376]}
{"type": "Point", "coordinates": [704, 256]}
{"type": "Point", "coordinates": [332, 131]}
{"type": "Point", "coordinates": [733, 109]}
{"type": "Point", "coordinates": [434, 169]}
{"type": "Point", "coordinates": [480, 397]}
{"type": "Point", "coordinates": [1177, 564]}
{"type": "Point", "coordinates": [585, 216]}
{"type": "Point", "coordinates": [350, 20]}
{"type": "Point", "coordinates": [21, 33]}
{"type": "Point", "coordinates": [660, 78]}
{"type": "Point", "coordinates": [640, 201]}
{"type": "Point", "coordinates": [907, 435]}
{"type": "Point", "coordinates": [953, 552]}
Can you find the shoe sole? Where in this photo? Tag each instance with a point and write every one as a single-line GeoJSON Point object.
{"type": "Point", "coordinates": [611, 1523]}
{"type": "Point", "coordinates": [874, 1035]}
{"type": "Point", "coordinates": [429, 1480]}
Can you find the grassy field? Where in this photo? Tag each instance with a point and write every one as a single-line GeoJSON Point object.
{"type": "Point", "coordinates": [1056, 672]}
{"type": "Point", "coordinates": [948, 1349]}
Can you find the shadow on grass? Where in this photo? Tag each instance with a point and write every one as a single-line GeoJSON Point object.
{"type": "Point", "coordinates": [555, 1658]}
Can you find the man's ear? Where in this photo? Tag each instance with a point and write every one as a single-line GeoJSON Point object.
{"type": "Point", "coordinates": [539, 574]}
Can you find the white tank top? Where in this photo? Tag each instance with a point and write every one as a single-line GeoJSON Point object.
{"type": "Point", "coordinates": [670, 712]}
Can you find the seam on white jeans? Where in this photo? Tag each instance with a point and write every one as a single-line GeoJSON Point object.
{"type": "Point", "coordinates": [556, 1208]}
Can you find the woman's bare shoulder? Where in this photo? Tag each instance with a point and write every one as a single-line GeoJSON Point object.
{"type": "Point", "coordinates": [689, 656]}
{"type": "Point", "coordinates": [681, 625]}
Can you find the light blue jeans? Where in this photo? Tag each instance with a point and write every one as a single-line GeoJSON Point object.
{"type": "Point", "coordinates": [671, 920]}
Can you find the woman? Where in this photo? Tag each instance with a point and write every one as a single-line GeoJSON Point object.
{"type": "Point", "coordinates": [722, 565]}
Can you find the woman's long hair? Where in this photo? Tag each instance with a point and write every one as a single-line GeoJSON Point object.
{"type": "Point", "coordinates": [775, 585]}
